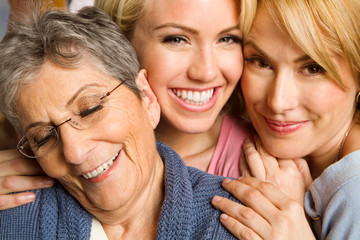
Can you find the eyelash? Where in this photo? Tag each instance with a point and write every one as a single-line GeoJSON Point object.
{"type": "Point", "coordinates": [175, 39]}
{"type": "Point", "coordinates": [252, 60]}
{"type": "Point", "coordinates": [90, 111]}
{"type": "Point", "coordinates": [320, 70]}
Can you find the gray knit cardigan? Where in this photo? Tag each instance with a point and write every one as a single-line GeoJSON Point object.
{"type": "Point", "coordinates": [186, 213]}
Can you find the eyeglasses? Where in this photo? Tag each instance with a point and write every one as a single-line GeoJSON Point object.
{"type": "Point", "coordinates": [88, 111]}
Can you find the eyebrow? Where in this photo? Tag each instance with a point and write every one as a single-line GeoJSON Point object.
{"type": "Point", "coordinates": [76, 94]}
{"type": "Point", "coordinates": [251, 43]}
{"type": "Point", "coordinates": [191, 30]}
{"type": "Point", "coordinates": [72, 99]}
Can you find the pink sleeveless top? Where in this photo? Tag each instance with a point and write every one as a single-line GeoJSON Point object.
{"type": "Point", "coordinates": [225, 160]}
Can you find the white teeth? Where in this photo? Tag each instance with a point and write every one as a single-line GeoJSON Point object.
{"type": "Point", "coordinates": [101, 169]}
{"type": "Point", "coordinates": [194, 97]}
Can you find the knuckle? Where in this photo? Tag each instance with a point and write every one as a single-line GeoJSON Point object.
{"type": "Point", "coordinates": [252, 194]}
{"type": "Point", "coordinates": [4, 203]}
{"type": "Point", "coordinates": [247, 213]}
{"type": "Point", "coordinates": [8, 183]}
{"type": "Point", "coordinates": [247, 234]}
{"type": "Point", "coordinates": [294, 207]}
{"type": "Point", "coordinates": [263, 186]}
{"type": "Point", "coordinates": [252, 156]}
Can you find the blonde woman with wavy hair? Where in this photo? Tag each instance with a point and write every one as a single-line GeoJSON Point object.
{"type": "Point", "coordinates": [301, 86]}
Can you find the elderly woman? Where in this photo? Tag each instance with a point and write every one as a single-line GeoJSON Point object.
{"type": "Point", "coordinates": [68, 86]}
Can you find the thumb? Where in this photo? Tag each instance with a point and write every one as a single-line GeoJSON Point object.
{"type": "Point", "coordinates": [304, 170]}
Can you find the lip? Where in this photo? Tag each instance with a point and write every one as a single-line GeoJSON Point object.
{"type": "Point", "coordinates": [106, 174]}
{"type": "Point", "coordinates": [197, 108]}
{"type": "Point", "coordinates": [284, 127]}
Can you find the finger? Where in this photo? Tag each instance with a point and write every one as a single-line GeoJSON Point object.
{"type": "Point", "coordinates": [243, 166]}
{"type": "Point", "coordinates": [270, 162]}
{"type": "Point", "coordinates": [239, 230]}
{"type": "Point", "coordinates": [259, 191]}
{"type": "Point", "coordinates": [6, 155]}
{"type": "Point", "coordinates": [15, 200]}
{"type": "Point", "coordinates": [241, 219]}
{"type": "Point", "coordinates": [304, 170]}
{"type": "Point", "coordinates": [19, 166]}
{"type": "Point", "coordinates": [254, 162]}
{"type": "Point", "coordinates": [251, 195]}
{"type": "Point", "coordinates": [12, 184]}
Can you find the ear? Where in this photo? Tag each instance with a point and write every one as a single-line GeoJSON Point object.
{"type": "Point", "coordinates": [148, 97]}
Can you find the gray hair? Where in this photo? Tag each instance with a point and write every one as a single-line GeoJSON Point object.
{"type": "Point", "coordinates": [67, 39]}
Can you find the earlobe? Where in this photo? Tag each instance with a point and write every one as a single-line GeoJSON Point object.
{"type": "Point", "coordinates": [149, 98]}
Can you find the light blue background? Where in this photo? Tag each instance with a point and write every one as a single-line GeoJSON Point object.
{"type": "Point", "coordinates": [4, 16]}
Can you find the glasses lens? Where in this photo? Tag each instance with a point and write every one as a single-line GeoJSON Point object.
{"type": "Point", "coordinates": [24, 147]}
{"type": "Point", "coordinates": [90, 110]}
{"type": "Point", "coordinates": [40, 141]}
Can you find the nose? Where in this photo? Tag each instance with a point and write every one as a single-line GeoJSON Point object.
{"type": "Point", "coordinates": [283, 91]}
{"type": "Point", "coordinates": [74, 143]}
{"type": "Point", "coordinates": [203, 65]}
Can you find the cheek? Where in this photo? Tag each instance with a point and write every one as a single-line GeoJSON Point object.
{"type": "Point", "coordinates": [327, 98]}
{"type": "Point", "coordinates": [252, 88]}
{"type": "Point", "coordinates": [234, 65]}
{"type": "Point", "coordinates": [53, 164]}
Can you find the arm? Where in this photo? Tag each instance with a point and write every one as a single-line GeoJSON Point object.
{"type": "Point", "coordinates": [15, 176]}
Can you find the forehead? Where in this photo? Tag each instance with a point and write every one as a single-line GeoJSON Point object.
{"type": "Point", "coordinates": [190, 12]}
{"type": "Point", "coordinates": [54, 79]}
{"type": "Point", "coordinates": [54, 86]}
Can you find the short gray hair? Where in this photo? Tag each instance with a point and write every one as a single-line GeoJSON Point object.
{"type": "Point", "coordinates": [67, 39]}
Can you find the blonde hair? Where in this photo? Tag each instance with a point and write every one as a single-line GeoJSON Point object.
{"type": "Point", "coordinates": [125, 13]}
{"type": "Point", "coordinates": [320, 28]}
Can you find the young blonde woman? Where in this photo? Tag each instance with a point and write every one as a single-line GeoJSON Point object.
{"type": "Point", "coordinates": [193, 70]}
{"type": "Point", "coordinates": [301, 85]}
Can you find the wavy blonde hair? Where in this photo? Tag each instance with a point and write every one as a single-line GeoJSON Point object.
{"type": "Point", "coordinates": [320, 28]}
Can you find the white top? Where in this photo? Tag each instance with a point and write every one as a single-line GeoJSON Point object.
{"type": "Point", "coordinates": [97, 231]}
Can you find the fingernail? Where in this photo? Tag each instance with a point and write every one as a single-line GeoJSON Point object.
{"type": "Point", "coordinates": [216, 198]}
{"type": "Point", "coordinates": [224, 217]}
{"type": "Point", "coordinates": [239, 178]}
{"type": "Point", "coordinates": [226, 180]}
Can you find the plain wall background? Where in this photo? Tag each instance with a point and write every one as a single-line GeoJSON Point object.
{"type": "Point", "coordinates": [4, 16]}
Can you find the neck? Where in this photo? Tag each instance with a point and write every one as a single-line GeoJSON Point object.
{"type": "Point", "coordinates": [196, 149]}
{"type": "Point", "coordinates": [341, 145]}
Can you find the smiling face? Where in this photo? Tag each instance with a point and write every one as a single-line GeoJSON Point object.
{"type": "Point", "coordinates": [118, 152]}
{"type": "Point", "coordinates": [296, 108]}
{"type": "Point", "coordinates": [192, 53]}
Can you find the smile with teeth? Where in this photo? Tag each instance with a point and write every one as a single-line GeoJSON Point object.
{"type": "Point", "coordinates": [101, 169]}
{"type": "Point", "coordinates": [194, 97]}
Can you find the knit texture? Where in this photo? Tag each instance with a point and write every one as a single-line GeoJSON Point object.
{"type": "Point", "coordinates": [187, 212]}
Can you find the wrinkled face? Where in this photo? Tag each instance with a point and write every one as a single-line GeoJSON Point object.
{"type": "Point", "coordinates": [118, 152]}
{"type": "Point", "coordinates": [192, 52]}
{"type": "Point", "coordinates": [295, 107]}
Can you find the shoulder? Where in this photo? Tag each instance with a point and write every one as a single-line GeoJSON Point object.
{"type": "Point", "coordinates": [333, 199]}
{"type": "Point", "coordinates": [53, 212]}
